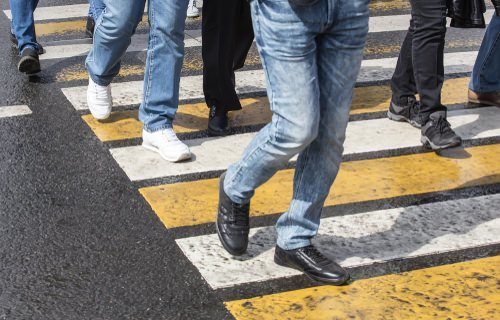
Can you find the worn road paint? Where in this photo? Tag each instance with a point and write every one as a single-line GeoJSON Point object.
{"type": "Point", "coordinates": [177, 205]}
{"type": "Point", "coordinates": [212, 154]}
{"type": "Point", "coordinates": [356, 240]}
{"type": "Point", "coordinates": [253, 81]}
{"type": "Point", "coordinates": [467, 290]}
{"type": "Point", "coordinates": [14, 111]}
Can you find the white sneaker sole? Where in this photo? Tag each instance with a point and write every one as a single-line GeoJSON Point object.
{"type": "Point", "coordinates": [181, 157]}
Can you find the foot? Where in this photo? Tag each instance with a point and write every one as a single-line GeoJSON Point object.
{"type": "Point", "coordinates": [233, 223]}
{"type": "Point", "coordinates": [15, 44]}
{"type": "Point", "coordinates": [437, 133]}
{"type": "Point", "coordinates": [314, 265]}
{"type": "Point", "coordinates": [218, 123]}
{"type": "Point", "coordinates": [89, 28]}
{"type": "Point", "coordinates": [166, 143]}
{"type": "Point", "coordinates": [406, 109]}
{"type": "Point", "coordinates": [487, 98]}
{"type": "Point", "coordinates": [99, 100]}
{"type": "Point", "coordinates": [192, 10]}
{"type": "Point", "coordinates": [29, 62]}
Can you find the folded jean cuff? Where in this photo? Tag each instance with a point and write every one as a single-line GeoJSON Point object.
{"type": "Point", "coordinates": [152, 129]}
{"type": "Point", "coordinates": [293, 245]}
{"type": "Point", "coordinates": [99, 81]}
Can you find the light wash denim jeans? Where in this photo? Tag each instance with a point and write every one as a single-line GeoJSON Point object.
{"type": "Point", "coordinates": [486, 73]}
{"type": "Point", "coordinates": [96, 7]}
{"type": "Point", "coordinates": [311, 58]}
{"type": "Point", "coordinates": [23, 23]}
{"type": "Point", "coordinates": [112, 36]}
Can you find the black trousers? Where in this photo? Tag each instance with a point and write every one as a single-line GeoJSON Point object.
{"type": "Point", "coordinates": [227, 36]}
{"type": "Point", "coordinates": [420, 65]}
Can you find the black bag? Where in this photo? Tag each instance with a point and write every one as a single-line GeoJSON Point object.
{"type": "Point", "coordinates": [466, 13]}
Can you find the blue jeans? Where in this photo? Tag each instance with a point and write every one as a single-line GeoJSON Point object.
{"type": "Point", "coordinates": [486, 73]}
{"type": "Point", "coordinates": [23, 23]}
{"type": "Point", "coordinates": [112, 36]}
{"type": "Point", "coordinates": [96, 7]}
{"type": "Point", "coordinates": [311, 57]}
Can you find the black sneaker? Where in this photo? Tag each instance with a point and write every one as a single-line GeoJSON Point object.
{"type": "Point", "coordinates": [29, 62]}
{"type": "Point", "coordinates": [407, 109]}
{"type": "Point", "coordinates": [437, 133]}
{"type": "Point", "coordinates": [218, 122]}
{"type": "Point", "coordinates": [233, 223]}
{"type": "Point", "coordinates": [314, 265]}
{"type": "Point", "coordinates": [89, 28]}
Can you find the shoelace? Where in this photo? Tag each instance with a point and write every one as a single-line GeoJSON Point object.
{"type": "Point", "coordinates": [414, 107]}
{"type": "Point", "coordinates": [443, 125]}
{"type": "Point", "coordinates": [239, 214]}
{"type": "Point", "coordinates": [314, 254]}
{"type": "Point", "coordinates": [170, 135]}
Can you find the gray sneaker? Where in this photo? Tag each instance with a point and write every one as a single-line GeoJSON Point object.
{"type": "Point", "coordinates": [407, 109]}
{"type": "Point", "coordinates": [437, 133]}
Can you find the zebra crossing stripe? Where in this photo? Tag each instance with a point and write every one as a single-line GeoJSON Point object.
{"type": "Point", "coordinates": [467, 290]}
{"type": "Point", "coordinates": [358, 181]}
{"type": "Point", "coordinates": [253, 82]}
{"type": "Point", "coordinates": [14, 111]}
{"type": "Point", "coordinates": [213, 154]}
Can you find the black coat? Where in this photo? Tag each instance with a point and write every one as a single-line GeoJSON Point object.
{"type": "Point", "coordinates": [467, 13]}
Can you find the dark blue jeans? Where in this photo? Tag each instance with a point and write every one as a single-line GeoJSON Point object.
{"type": "Point", "coordinates": [23, 23]}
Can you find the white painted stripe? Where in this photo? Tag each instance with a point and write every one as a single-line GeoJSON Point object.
{"type": "Point", "coordinates": [14, 111]}
{"type": "Point", "coordinates": [139, 43]}
{"type": "Point", "coordinates": [247, 82]}
{"type": "Point", "coordinates": [362, 136]}
{"type": "Point", "coordinates": [58, 12]}
{"type": "Point", "coordinates": [356, 240]}
{"type": "Point", "coordinates": [193, 38]}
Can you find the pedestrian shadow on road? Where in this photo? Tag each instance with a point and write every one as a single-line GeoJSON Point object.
{"type": "Point", "coordinates": [395, 233]}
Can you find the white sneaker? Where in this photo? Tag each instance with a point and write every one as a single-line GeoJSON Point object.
{"type": "Point", "coordinates": [192, 11]}
{"type": "Point", "coordinates": [166, 143]}
{"type": "Point", "coordinates": [99, 100]}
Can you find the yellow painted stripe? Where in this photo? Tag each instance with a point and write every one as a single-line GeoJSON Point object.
{"type": "Point", "coordinates": [467, 290]}
{"type": "Point", "coordinates": [178, 205]}
{"type": "Point", "coordinates": [67, 27]}
{"type": "Point", "coordinates": [387, 5]}
{"type": "Point", "coordinates": [193, 117]}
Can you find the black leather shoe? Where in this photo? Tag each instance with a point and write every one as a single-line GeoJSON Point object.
{"type": "Point", "coordinates": [29, 62]}
{"type": "Point", "coordinates": [15, 44]}
{"type": "Point", "coordinates": [314, 265]}
{"type": "Point", "coordinates": [89, 28]}
{"type": "Point", "coordinates": [232, 223]}
{"type": "Point", "coordinates": [218, 123]}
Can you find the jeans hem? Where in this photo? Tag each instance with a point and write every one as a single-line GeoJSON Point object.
{"type": "Point", "coordinates": [294, 245]}
{"type": "Point", "coordinates": [158, 128]}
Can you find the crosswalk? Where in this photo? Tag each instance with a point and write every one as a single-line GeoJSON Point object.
{"type": "Point", "coordinates": [14, 111]}
{"type": "Point", "coordinates": [393, 201]}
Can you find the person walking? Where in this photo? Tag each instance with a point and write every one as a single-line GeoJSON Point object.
{"type": "Point", "coordinates": [420, 69]}
{"type": "Point", "coordinates": [165, 53]}
{"type": "Point", "coordinates": [311, 51]}
{"type": "Point", "coordinates": [23, 36]}
{"type": "Point", "coordinates": [484, 85]}
{"type": "Point", "coordinates": [227, 35]}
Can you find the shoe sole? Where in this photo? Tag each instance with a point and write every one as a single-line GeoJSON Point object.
{"type": "Point", "coordinates": [483, 102]}
{"type": "Point", "coordinates": [184, 156]}
{"type": "Point", "coordinates": [428, 144]}
{"type": "Point", "coordinates": [231, 251]}
{"type": "Point", "coordinates": [214, 133]}
{"type": "Point", "coordinates": [395, 117]}
{"type": "Point", "coordinates": [29, 65]}
{"type": "Point", "coordinates": [314, 278]}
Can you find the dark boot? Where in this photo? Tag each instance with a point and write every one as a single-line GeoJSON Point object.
{"type": "Point", "coordinates": [218, 123]}
{"type": "Point", "coordinates": [313, 264]}
{"type": "Point", "coordinates": [232, 223]}
{"type": "Point", "coordinates": [485, 98]}
{"type": "Point", "coordinates": [29, 62]}
{"type": "Point", "coordinates": [437, 133]}
{"type": "Point", "coordinates": [407, 109]}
